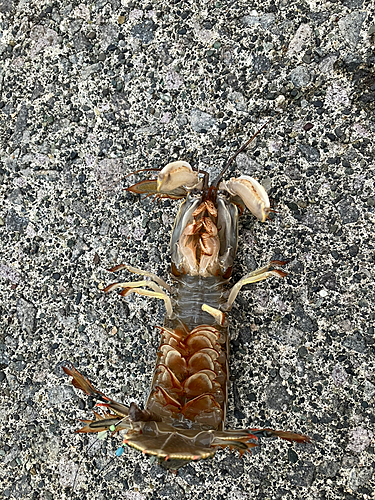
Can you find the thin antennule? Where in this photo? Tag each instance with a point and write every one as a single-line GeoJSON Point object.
{"type": "Point", "coordinates": [216, 181]}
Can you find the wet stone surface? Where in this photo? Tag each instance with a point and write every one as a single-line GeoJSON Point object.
{"type": "Point", "coordinates": [93, 91]}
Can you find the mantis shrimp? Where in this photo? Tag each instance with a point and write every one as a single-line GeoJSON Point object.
{"type": "Point", "coordinates": [184, 417]}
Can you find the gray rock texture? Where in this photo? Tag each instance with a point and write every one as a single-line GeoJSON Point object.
{"type": "Point", "coordinates": [94, 90]}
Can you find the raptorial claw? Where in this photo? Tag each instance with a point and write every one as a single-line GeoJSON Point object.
{"type": "Point", "coordinates": [175, 175]}
{"type": "Point", "coordinates": [251, 193]}
{"type": "Point", "coordinates": [173, 181]}
{"type": "Point", "coordinates": [150, 187]}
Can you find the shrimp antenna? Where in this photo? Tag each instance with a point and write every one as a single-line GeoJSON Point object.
{"type": "Point", "coordinates": [216, 181]}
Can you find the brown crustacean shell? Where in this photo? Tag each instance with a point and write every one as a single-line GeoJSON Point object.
{"type": "Point", "coordinates": [184, 416]}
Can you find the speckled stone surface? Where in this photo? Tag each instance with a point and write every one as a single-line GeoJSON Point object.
{"type": "Point", "coordinates": [93, 90]}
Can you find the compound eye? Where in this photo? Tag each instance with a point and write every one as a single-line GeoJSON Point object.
{"type": "Point", "coordinates": [223, 194]}
{"type": "Point", "coordinates": [195, 193]}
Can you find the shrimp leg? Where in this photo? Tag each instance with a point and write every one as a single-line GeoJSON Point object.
{"type": "Point", "coordinates": [258, 275]}
{"type": "Point", "coordinates": [135, 287]}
